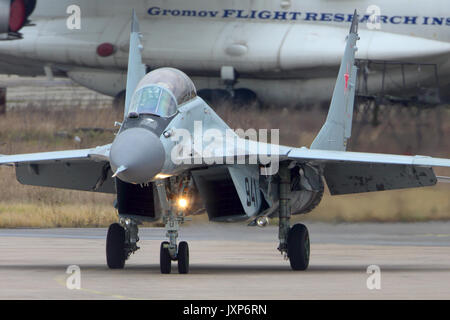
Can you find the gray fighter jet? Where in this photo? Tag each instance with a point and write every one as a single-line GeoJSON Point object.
{"type": "Point", "coordinates": [174, 156]}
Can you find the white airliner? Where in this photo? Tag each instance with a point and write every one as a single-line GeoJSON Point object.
{"type": "Point", "coordinates": [248, 47]}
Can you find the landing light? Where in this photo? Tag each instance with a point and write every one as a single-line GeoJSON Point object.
{"type": "Point", "coordinates": [182, 203]}
{"type": "Point", "coordinates": [160, 176]}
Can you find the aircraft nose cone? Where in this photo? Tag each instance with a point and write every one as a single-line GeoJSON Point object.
{"type": "Point", "coordinates": [138, 154]}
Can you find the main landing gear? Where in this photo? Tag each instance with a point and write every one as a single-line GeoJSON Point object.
{"type": "Point", "coordinates": [294, 242]}
{"type": "Point", "coordinates": [121, 242]}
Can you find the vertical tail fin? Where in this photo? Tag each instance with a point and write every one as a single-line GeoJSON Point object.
{"type": "Point", "coordinates": [136, 69]}
{"type": "Point", "coordinates": [337, 128]}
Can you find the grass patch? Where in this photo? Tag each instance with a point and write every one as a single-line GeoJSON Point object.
{"type": "Point", "coordinates": [409, 205]}
{"type": "Point", "coordinates": [13, 215]}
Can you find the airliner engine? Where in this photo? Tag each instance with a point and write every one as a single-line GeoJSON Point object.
{"type": "Point", "coordinates": [13, 16]}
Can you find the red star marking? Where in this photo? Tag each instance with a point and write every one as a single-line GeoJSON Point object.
{"type": "Point", "coordinates": [346, 76]}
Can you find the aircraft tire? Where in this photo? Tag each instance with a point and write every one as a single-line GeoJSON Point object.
{"type": "Point", "coordinates": [298, 247]}
{"type": "Point", "coordinates": [245, 98]}
{"type": "Point", "coordinates": [215, 97]}
{"type": "Point", "coordinates": [205, 94]}
{"type": "Point", "coordinates": [165, 261]}
{"type": "Point", "coordinates": [115, 246]}
{"type": "Point", "coordinates": [183, 257]}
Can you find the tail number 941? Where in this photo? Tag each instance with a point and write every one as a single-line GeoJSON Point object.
{"type": "Point", "coordinates": [252, 194]}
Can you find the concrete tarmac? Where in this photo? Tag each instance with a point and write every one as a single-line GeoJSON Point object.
{"type": "Point", "coordinates": [232, 262]}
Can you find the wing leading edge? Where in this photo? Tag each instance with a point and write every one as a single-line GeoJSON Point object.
{"type": "Point", "coordinates": [345, 172]}
{"type": "Point", "coordinates": [85, 169]}
{"type": "Point", "coordinates": [95, 154]}
{"type": "Point", "coordinates": [356, 172]}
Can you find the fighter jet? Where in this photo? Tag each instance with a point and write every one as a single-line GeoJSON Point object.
{"type": "Point", "coordinates": [174, 156]}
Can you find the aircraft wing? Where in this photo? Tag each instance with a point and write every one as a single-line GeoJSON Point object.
{"type": "Point", "coordinates": [98, 153]}
{"type": "Point", "coordinates": [84, 169]}
{"type": "Point", "coordinates": [443, 179]}
{"type": "Point", "coordinates": [231, 149]}
{"type": "Point", "coordinates": [355, 172]}
{"type": "Point", "coordinates": [328, 156]}
{"type": "Point", "coordinates": [345, 172]}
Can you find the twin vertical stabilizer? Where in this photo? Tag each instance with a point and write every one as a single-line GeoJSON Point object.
{"type": "Point", "coordinates": [338, 126]}
{"type": "Point", "coordinates": [136, 69]}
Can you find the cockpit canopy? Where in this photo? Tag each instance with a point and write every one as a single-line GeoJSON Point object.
{"type": "Point", "coordinates": [161, 91]}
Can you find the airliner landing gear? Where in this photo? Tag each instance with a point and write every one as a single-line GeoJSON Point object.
{"type": "Point", "coordinates": [119, 101]}
{"type": "Point", "coordinates": [294, 242]}
{"type": "Point", "coordinates": [172, 219]}
{"type": "Point", "coordinates": [121, 242]}
{"type": "Point", "coordinates": [239, 98]}
{"type": "Point", "coordinates": [245, 97]}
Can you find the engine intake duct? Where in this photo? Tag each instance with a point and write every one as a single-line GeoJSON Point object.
{"type": "Point", "coordinates": [134, 200]}
{"type": "Point", "coordinates": [219, 193]}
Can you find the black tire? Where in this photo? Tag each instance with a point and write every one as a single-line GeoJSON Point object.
{"type": "Point", "coordinates": [220, 96]}
{"type": "Point", "coordinates": [183, 257]}
{"type": "Point", "coordinates": [165, 261]}
{"type": "Point", "coordinates": [245, 98]}
{"type": "Point", "coordinates": [115, 246]}
{"type": "Point", "coordinates": [298, 247]}
{"type": "Point", "coordinates": [205, 94]}
{"type": "Point", "coordinates": [215, 97]}
{"type": "Point", "coordinates": [119, 101]}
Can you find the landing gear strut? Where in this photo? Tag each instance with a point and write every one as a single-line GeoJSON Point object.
{"type": "Point", "coordinates": [172, 219]}
{"type": "Point", "coordinates": [294, 242]}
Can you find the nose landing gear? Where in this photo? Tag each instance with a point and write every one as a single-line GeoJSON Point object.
{"type": "Point", "coordinates": [172, 219]}
{"type": "Point", "coordinates": [170, 251]}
